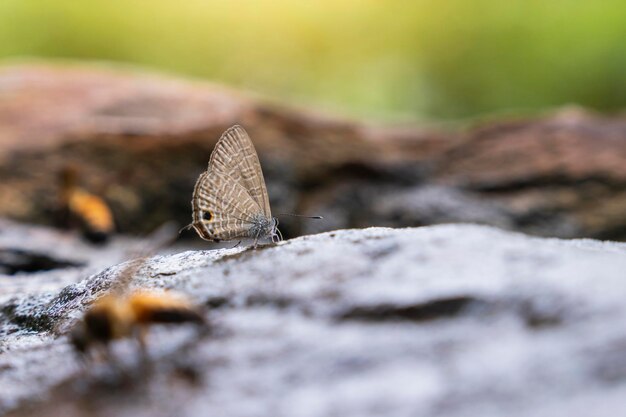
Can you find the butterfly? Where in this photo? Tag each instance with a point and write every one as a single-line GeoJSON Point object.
{"type": "Point", "coordinates": [230, 199]}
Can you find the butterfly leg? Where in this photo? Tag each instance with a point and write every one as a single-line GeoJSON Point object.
{"type": "Point", "coordinates": [256, 240]}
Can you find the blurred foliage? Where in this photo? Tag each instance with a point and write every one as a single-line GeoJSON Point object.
{"type": "Point", "coordinates": [421, 59]}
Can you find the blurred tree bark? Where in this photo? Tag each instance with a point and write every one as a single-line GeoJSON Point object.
{"type": "Point", "coordinates": [140, 141]}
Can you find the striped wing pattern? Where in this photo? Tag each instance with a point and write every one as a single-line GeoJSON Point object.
{"type": "Point", "coordinates": [230, 205]}
{"type": "Point", "coordinates": [235, 156]}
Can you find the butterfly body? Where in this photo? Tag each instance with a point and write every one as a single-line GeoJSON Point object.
{"type": "Point", "coordinates": [230, 199]}
{"type": "Point", "coordinates": [262, 227]}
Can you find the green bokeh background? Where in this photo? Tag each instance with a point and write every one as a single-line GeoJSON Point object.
{"type": "Point", "coordinates": [390, 59]}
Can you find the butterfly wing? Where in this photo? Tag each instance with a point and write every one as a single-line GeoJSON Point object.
{"type": "Point", "coordinates": [235, 156]}
{"type": "Point", "coordinates": [222, 208]}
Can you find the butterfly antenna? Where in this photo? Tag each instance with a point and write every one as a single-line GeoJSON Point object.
{"type": "Point", "coordinates": [301, 215]}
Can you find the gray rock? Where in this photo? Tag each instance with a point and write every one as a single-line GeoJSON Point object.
{"type": "Point", "coordinates": [36, 259]}
{"type": "Point", "coordinates": [449, 320]}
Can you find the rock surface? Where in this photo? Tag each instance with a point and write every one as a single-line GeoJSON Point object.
{"type": "Point", "coordinates": [141, 140]}
{"type": "Point", "coordinates": [450, 320]}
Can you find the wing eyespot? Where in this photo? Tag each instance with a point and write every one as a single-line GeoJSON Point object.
{"type": "Point", "coordinates": [207, 216]}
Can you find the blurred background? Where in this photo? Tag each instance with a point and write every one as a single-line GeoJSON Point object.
{"type": "Point", "coordinates": [387, 113]}
{"type": "Point", "coordinates": [419, 60]}
{"type": "Point", "coordinates": [508, 113]}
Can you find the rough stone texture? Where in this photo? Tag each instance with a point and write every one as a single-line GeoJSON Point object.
{"type": "Point", "coordinates": [38, 259]}
{"type": "Point", "coordinates": [141, 140]}
{"type": "Point", "coordinates": [450, 320]}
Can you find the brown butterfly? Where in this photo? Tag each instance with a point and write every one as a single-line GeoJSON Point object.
{"type": "Point", "coordinates": [230, 199]}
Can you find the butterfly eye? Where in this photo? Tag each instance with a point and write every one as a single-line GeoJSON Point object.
{"type": "Point", "coordinates": [207, 215]}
